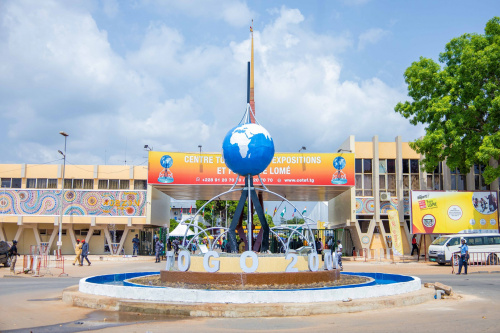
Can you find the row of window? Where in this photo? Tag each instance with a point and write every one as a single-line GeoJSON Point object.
{"type": "Point", "coordinates": [411, 177]}
{"type": "Point", "coordinates": [88, 184]}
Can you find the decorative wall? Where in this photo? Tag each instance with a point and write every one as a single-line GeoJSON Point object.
{"type": "Point", "coordinates": [76, 202]}
{"type": "Point", "coordinates": [366, 206]}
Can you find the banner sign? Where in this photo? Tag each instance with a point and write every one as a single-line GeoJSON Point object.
{"type": "Point", "coordinates": [440, 212]}
{"type": "Point", "coordinates": [397, 243]}
{"type": "Point", "coordinates": [285, 169]}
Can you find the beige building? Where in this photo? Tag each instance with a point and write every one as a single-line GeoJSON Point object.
{"type": "Point", "coordinates": [104, 204]}
{"type": "Point", "coordinates": [385, 173]}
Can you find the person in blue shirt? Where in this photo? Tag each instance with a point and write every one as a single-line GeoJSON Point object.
{"type": "Point", "coordinates": [464, 256]}
{"type": "Point", "coordinates": [135, 243]}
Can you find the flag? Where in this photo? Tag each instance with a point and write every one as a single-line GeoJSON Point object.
{"type": "Point", "coordinates": [304, 211]}
{"type": "Point", "coordinates": [213, 209]}
{"type": "Point", "coordinates": [203, 211]}
{"type": "Point", "coordinates": [283, 212]}
{"type": "Point", "coordinates": [294, 211]}
{"type": "Point", "coordinates": [191, 209]}
{"type": "Point", "coordinates": [275, 210]}
{"type": "Point", "coordinates": [266, 211]}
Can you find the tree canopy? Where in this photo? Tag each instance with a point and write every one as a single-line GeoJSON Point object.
{"type": "Point", "coordinates": [459, 103]}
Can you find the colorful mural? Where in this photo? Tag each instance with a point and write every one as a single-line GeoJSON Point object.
{"type": "Point", "coordinates": [76, 202]}
{"type": "Point", "coordinates": [366, 206]}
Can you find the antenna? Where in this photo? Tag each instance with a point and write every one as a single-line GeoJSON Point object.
{"type": "Point", "coordinates": [125, 151]}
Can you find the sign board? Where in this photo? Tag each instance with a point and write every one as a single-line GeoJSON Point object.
{"type": "Point", "coordinates": [441, 212]}
{"type": "Point", "coordinates": [319, 169]}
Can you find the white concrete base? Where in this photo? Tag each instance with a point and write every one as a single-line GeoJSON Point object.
{"type": "Point", "coordinates": [179, 295]}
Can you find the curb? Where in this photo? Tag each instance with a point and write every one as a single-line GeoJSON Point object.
{"type": "Point", "coordinates": [74, 297]}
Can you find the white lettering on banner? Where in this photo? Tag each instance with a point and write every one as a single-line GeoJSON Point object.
{"type": "Point", "coordinates": [290, 268]}
{"type": "Point", "coordinates": [313, 262]}
{"type": "Point", "coordinates": [255, 262]}
{"type": "Point", "coordinates": [199, 159]}
{"type": "Point", "coordinates": [206, 262]}
{"type": "Point", "coordinates": [297, 159]}
{"type": "Point", "coordinates": [184, 261]}
{"type": "Point", "coordinates": [279, 171]}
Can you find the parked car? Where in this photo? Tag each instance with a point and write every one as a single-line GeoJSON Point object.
{"type": "Point", "coordinates": [4, 253]}
{"type": "Point", "coordinates": [442, 249]}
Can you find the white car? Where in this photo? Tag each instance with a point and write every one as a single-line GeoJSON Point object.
{"type": "Point", "coordinates": [442, 249]}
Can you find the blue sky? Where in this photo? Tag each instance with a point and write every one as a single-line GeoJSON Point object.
{"type": "Point", "coordinates": [117, 75]}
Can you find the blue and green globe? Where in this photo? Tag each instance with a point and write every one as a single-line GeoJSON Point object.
{"type": "Point", "coordinates": [248, 149]}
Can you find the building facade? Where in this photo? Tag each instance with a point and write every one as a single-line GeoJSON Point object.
{"type": "Point", "coordinates": [104, 204]}
{"type": "Point", "coordinates": [385, 174]}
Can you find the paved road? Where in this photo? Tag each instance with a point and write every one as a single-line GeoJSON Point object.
{"type": "Point", "coordinates": [33, 304]}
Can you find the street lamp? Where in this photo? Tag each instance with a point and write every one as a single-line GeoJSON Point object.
{"type": "Point", "coordinates": [301, 149]}
{"type": "Point", "coordinates": [59, 242]}
{"type": "Point", "coordinates": [147, 147]}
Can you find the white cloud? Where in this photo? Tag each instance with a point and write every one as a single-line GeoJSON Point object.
{"type": "Point", "coordinates": [59, 72]}
{"type": "Point", "coordinates": [371, 36]}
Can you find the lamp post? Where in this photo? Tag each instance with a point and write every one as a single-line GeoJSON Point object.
{"type": "Point", "coordinates": [147, 147]}
{"type": "Point", "coordinates": [302, 148]}
{"type": "Point", "coordinates": [59, 242]}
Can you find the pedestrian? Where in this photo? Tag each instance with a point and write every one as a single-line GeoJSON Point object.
{"type": "Point", "coordinates": [13, 256]}
{"type": "Point", "coordinates": [319, 247]}
{"type": "Point", "coordinates": [464, 256]}
{"type": "Point", "coordinates": [158, 249]}
{"type": "Point", "coordinates": [331, 244]}
{"type": "Point", "coordinates": [135, 243]}
{"type": "Point", "coordinates": [85, 252]}
{"type": "Point", "coordinates": [339, 255]}
{"type": "Point", "coordinates": [78, 253]}
{"type": "Point", "coordinates": [414, 246]}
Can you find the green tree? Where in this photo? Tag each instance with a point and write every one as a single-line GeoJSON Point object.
{"type": "Point", "coordinates": [459, 103]}
{"type": "Point", "coordinates": [219, 209]}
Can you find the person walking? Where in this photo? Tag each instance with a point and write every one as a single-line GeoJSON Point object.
{"type": "Point", "coordinates": [85, 252]}
{"type": "Point", "coordinates": [135, 244]}
{"type": "Point", "coordinates": [464, 257]}
{"type": "Point", "coordinates": [13, 256]}
{"type": "Point", "coordinates": [78, 253]}
{"type": "Point", "coordinates": [339, 255]}
{"type": "Point", "coordinates": [158, 249]}
{"type": "Point", "coordinates": [414, 246]}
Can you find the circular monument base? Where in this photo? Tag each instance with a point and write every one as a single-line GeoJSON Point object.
{"type": "Point", "coordinates": [240, 280]}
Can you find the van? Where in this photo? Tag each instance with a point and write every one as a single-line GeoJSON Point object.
{"type": "Point", "coordinates": [442, 249]}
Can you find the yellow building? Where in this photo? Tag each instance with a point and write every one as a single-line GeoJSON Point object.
{"type": "Point", "coordinates": [385, 174]}
{"type": "Point", "coordinates": [104, 204]}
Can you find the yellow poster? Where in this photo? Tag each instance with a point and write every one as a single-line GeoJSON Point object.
{"type": "Point", "coordinates": [397, 243]}
{"type": "Point", "coordinates": [441, 212]}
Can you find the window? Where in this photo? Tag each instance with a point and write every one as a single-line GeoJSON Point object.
{"type": "Point", "coordinates": [41, 183]}
{"type": "Point", "coordinates": [88, 184]}
{"type": "Point", "coordinates": [77, 183]}
{"type": "Point", "coordinates": [473, 241]}
{"type": "Point", "coordinates": [411, 176]}
{"type": "Point", "coordinates": [458, 180]}
{"type": "Point", "coordinates": [31, 183]}
{"type": "Point", "coordinates": [11, 182]}
{"type": "Point", "coordinates": [435, 178]}
{"type": "Point", "coordinates": [387, 176]}
{"type": "Point", "coordinates": [68, 183]}
{"type": "Point", "coordinates": [52, 183]}
{"type": "Point", "coordinates": [114, 184]}
{"type": "Point", "coordinates": [479, 183]}
{"type": "Point", "coordinates": [124, 184]}
{"type": "Point", "coordinates": [364, 169]}
{"type": "Point", "coordinates": [454, 241]}
{"type": "Point", "coordinates": [140, 184]}
{"type": "Point", "coordinates": [102, 184]}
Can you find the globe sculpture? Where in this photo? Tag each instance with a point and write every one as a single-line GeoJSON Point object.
{"type": "Point", "coordinates": [166, 175]}
{"type": "Point", "coordinates": [248, 149]}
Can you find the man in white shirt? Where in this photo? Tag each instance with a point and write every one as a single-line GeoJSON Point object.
{"type": "Point", "coordinates": [339, 254]}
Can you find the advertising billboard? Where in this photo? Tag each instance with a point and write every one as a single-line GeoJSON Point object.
{"type": "Point", "coordinates": [440, 212]}
{"type": "Point", "coordinates": [285, 169]}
